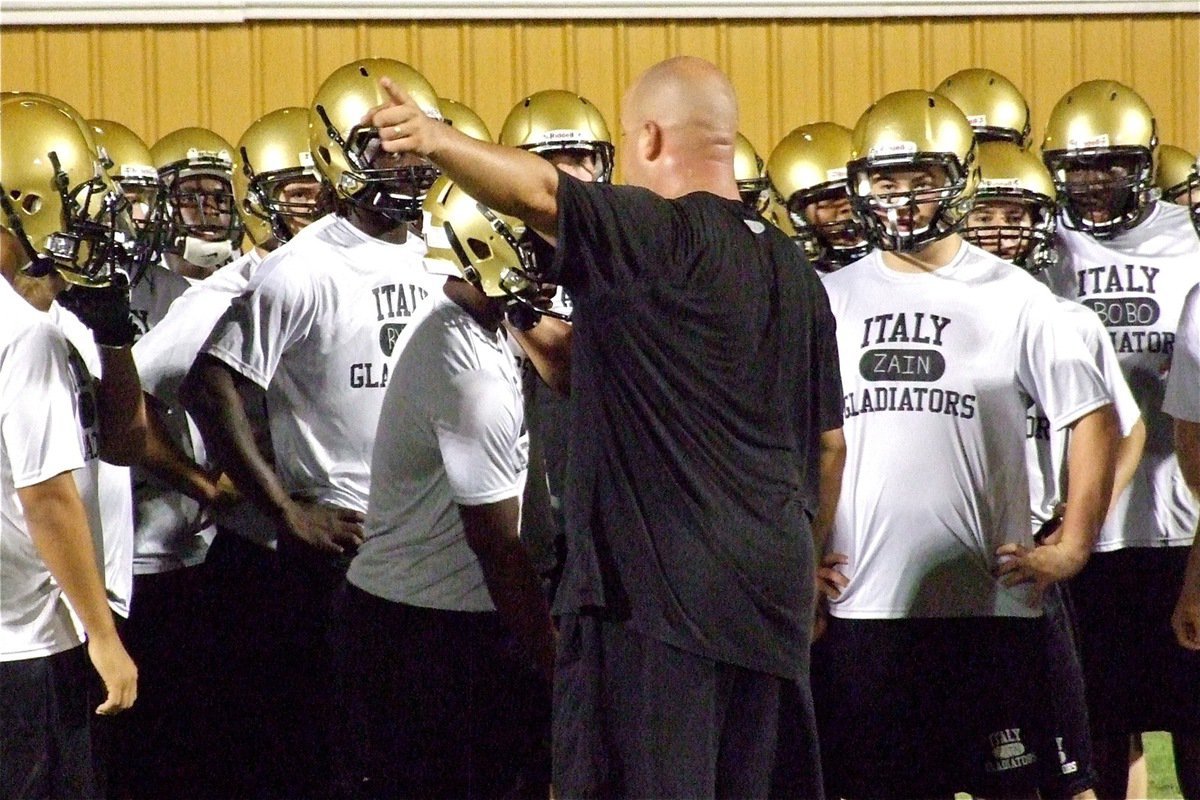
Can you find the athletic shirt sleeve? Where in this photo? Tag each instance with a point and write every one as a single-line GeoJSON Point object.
{"type": "Point", "coordinates": [477, 431]}
{"type": "Point", "coordinates": [1182, 399]}
{"type": "Point", "coordinates": [611, 234]}
{"type": "Point", "coordinates": [829, 380]}
{"type": "Point", "coordinates": [1128, 412]}
{"type": "Point", "coordinates": [38, 427]}
{"type": "Point", "coordinates": [261, 325]}
{"type": "Point", "coordinates": [1054, 367]}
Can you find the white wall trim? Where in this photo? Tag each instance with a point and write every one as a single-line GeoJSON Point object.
{"type": "Point", "coordinates": [141, 12]}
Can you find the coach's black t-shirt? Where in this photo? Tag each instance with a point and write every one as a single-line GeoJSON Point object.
{"type": "Point", "coordinates": [703, 369]}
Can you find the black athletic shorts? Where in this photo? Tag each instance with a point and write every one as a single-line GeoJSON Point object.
{"type": "Point", "coordinates": [929, 707]}
{"type": "Point", "coordinates": [45, 727]}
{"type": "Point", "coordinates": [1138, 677]}
{"type": "Point", "coordinates": [1066, 763]}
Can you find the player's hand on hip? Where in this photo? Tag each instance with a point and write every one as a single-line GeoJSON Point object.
{"type": "Point", "coordinates": [1041, 565]}
{"type": "Point", "coordinates": [327, 528]}
{"type": "Point", "coordinates": [116, 669]}
{"type": "Point", "coordinates": [1186, 620]}
{"type": "Point", "coordinates": [403, 126]}
{"type": "Point", "coordinates": [830, 580]}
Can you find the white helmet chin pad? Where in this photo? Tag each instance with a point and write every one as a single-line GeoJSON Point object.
{"type": "Point", "coordinates": [203, 253]}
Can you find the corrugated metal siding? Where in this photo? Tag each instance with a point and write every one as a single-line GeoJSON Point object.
{"type": "Point", "coordinates": [787, 73]}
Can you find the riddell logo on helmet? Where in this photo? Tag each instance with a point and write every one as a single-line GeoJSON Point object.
{"type": "Point", "coordinates": [195, 154]}
{"type": "Point", "coordinates": [564, 135]}
{"type": "Point", "coordinates": [835, 174]}
{"type": "Point", "coordinates": [1088, 144]}
{"type": "Point", "coordinates": [893, 149]}
{"type": "Point", "coordinates": [977, 120]}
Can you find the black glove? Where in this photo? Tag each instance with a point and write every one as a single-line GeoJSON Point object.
{"type": "Point", "coordinates": [521, 315]}
{"type": "Point", "coordinates": [104, 310]}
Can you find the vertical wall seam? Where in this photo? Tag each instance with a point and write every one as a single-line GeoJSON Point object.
{"type": "Point", "coordinates": [95, 70]}
{"type": "Point", "coordinates": [204, 98]}
{"type": "Point", "coordinates": [570, 53]}
{"type": "Point", "coordinates": [1076, 51]}
{"type": "Point", "coordinates": [150, 85]}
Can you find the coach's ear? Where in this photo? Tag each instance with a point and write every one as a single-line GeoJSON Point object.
{"type": "Point", "coordinates": [650, 143]}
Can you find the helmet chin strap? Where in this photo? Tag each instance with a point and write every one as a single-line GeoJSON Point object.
{"type": "Point", "coordinates": [203, 253]}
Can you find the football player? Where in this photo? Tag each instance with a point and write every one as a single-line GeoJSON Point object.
{"type": "Point", "coordinates": [938, 620]}
{"type": "Point", "coordinates": [1178, 178]}
{"type": "Point", "coordinates": [995, 107]}
{"type": "Point", "coordinates": [808, 172]}
{"type": "Point", "coordinates": [1132, 261]}
{"type": "Point", "coordinates": [62, 238]}
{"type": "Point", "coordinates": [312, 337]}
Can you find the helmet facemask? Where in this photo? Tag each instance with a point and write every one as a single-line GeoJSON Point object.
{"type": "Point", "coordinates": [1013, 224]}
{"type": "Point", "coordinates": [286, 199]}
{"type": "Point", "coordinates": [375, 181]}
{"type": "Point", "coordinates": [837, 242]}
{"type": "Point", "coordinates": [92, 245]}
{"type": "Point", "coordinates": [941, 191]}
{"type": "Point", "coordinates": [148, 215]}
{"type": "Point", "coordinates": [204, 224]}
{"type": "Point", "coordinates": [570, 144]}
{"type": "Point", "coordinates": [755, 194]}
{"type": "Point", "coordinates": [1103, 191]}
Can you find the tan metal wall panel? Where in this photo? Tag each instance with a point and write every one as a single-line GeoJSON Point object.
{"type": "Point", "coordinates": [787, 72]}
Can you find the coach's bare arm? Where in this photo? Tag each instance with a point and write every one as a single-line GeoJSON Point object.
{"type": "Point", "coordinates": [510, 180]}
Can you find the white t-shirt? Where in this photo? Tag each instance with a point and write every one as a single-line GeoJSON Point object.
{"type": "Point", "coordinates": [938, 370]}
{"type": "Point", "coordinates": [112, 481]}
{"type": "Point", "coordinates": [317, 329]}
{"type": "Point", "coordinates": [1136, 284]}
{"type": "Point", "coordinates": [1183, 385]}
{"type": "Point", "coordinates": [453, 434]}
{"type": "Point", "coordinates": [152, 296]}
{"type": "Point", "coordinates": [1046, 447]}
{"type": "Point", "coordinates": [40, 437]}
{"type": "Point", "coordinates": [172, 530]}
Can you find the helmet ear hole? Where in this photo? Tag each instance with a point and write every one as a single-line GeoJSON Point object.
{"type": "Point", "coordinates": [31, 203]}
{"type": "Point", "coordinates": [363, 71]}
{"type": "Point", "coordinates": [480, 248]}
{"type": "Point", "coordinates": [323, 152]}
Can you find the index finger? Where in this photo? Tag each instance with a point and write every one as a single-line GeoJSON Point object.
{"type": "Point", "coordinates": [398, 96]}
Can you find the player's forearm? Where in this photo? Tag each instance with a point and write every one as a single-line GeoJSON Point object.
{"type": "Point", "coordinates": [1187, 448]}
{"type": "Point", "coordinates": [58, 526]}
{"type": "Point", "coordinates": [211, 396]}
{"type": "Point", "coordinates": [1091, 463]}
{"type": "Point", "coordinates": [512, 582]}
{"type": "Point", "coordinates": [165, 459]}
{"type": "Point", "coordinates": [548, 346]}
{"type": "Point", "coordinates": [832, 459]}
{"type": "Point", "coordinates": [1129, 455]}
{"type": "Point", "coordinates": [121, 411]}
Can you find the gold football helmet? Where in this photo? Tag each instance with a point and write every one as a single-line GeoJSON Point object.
{"type": "Point", "coordinates": [901, 134]}
{"type": "Point", "coordinates": [195, 166]}
{"type": "Point", "coordinates": [994, 106]}
{"type": "Point", "coordinates": [56, 198]}
{"type": "Point", "coordinates": [556, 120]}
{"type": "Point", "coordinates": [131, 167]}
{"type": "Point", "coordinates": [481, 246]}
{"type": "Point", "coordinates": [1178, 178]}
{"type": "Point", "coordinates": [749, 172]}
{"type": "Point", "coordinates": [459, 115]}
{"type": "Point", "coordinates": [275, 181]}
{"type": "Point", "coordinates": [1015, 209]}
{"type": "Point", "coordinates": [1101, 145]}
{"type": "Point", "coordinates": [348, 152]}
{"type": "Point", "coordinates": [808, 171]}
